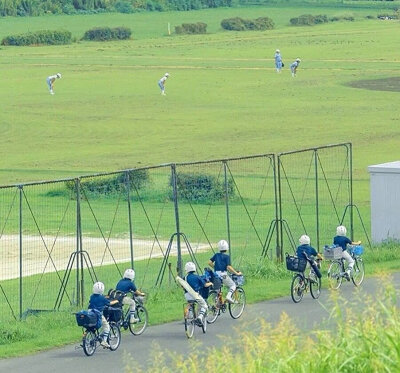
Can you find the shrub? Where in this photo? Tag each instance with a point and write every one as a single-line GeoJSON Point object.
{"type": "Point", "coordinates": [43, 37]}
{"type": "Point", "coordinates": [202, 188]}
{"type": "Point", "coordinates": [321, 18]}
{"type": "Point", "coordinates": [107, 33]}
{"type": "Point", "coordinates": [112, 184]}
{"type": "Point", "coordinates": [124, 7]}
{"type": "Point", "coordinates": [309, 20]}
{"type": "Point", "coordinates": [303, 20]}
{"type": "Point", "coordinates": [240, 24]}
{"type": "Point", "coordinates": [191, 28]}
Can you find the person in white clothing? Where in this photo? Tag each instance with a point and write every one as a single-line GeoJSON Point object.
{"type": "Point", "coordinates": [50, 82]}
{"type": "Point", "coordinates": [161, 83]}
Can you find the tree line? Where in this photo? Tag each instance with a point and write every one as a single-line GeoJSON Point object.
{"type": "Point", "coordinates": [40, 7]}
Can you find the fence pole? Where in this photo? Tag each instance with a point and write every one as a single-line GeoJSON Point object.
{"type": "Point", "coordinates": [350, 156]}
{"type": "Point", "coordinates": [20, 251]}
{"type": "Point", "coordinates": [128, 196]}
{"type": "Point", "coordinates": [279, 225]}
{"type": "Point", "coordinates": [178, 234]}
{"type": "Point", "coordinates": [278, 248]}
{"type": "Point", "coordinates": [228, 226]}
{"type": "Point", "coordinates": [79, 259]}
{"type": "Point", "coordinates": [316, 195]}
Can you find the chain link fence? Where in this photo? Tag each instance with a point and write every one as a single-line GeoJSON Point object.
{"type": "Point", "coordinates": [59, 237]}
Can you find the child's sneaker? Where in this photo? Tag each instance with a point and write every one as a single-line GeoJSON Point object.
{"type": "Point", "coordinates": [133, 319]}
{"type": "Point", "coordinates": [105, 344]}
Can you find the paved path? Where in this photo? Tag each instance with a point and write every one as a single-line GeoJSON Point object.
{"type": "Point", "coordinates": [171, 336]}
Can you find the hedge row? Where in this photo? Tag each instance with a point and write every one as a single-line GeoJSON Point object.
{"type": "Point", "coordinates": [47, 37]}
{"type": "Point", "coordinates": [240, 24]}
{"type": "Point", "coordinates": [191, 28]}
{"type": "Point", "coordinates": [113, 184]}
{"type": "Point", "coordinates": [107, 33]}
{"type": "Point", "coordinates": [309, 20]}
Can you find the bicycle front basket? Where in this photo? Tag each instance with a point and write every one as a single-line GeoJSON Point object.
{"type": "Point", "coordinates": [332, 252]}
{"type": "Point", "coordinates": [356, 249]}
{"type": "Point", "coordinates": [239, 280]}
{"type": "Point", "coordinates": [295, 264]}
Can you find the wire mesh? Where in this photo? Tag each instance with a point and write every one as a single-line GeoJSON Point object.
{"type": "Point", "coordinates": [9, 253]}
{"type": "Point", "coordinates": [57, 238]}
{"type": "Point", "coordinates": [315, 188]}
{"type": "Point", "coordinates": [48, 213]}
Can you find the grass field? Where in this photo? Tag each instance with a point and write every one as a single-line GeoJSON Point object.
{"type": "Point", "coordinates": [107, 113]}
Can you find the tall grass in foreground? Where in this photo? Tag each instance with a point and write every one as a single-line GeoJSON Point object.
{"type": "Point", "coordinates": [354, 342]}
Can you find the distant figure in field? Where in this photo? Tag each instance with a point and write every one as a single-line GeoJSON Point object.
{"type": "Point", "coordinates": [161, 83]}
{"type": "Point", "coordinates": [278, 61]}
{"type": "Point", "coordinates": [294, 66]}
{"type": "Point", "coordinates": [50, 82]}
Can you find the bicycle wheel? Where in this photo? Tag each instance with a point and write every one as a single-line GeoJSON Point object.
{"type": "Point", "coordinates": [213, 309]}
{"type": "Point", "coordinates": [315, 285]}
{"type": "Point", "coordinates": [236, 308]}
{"type": "Point", "coordinates": [189, 319]}
{"type": "Point", "coordinates": [114, 338]}
{"type": "Point", "coordinates": [334, 276]}
{"type": "Point", "coordinates": [297, 288]}
{"type": "Point", "coordinates": [139, 327]}
{"type": "Point", "coordinates": [89, 342]}
{"type": "Point", "coordinates": [358, 273]}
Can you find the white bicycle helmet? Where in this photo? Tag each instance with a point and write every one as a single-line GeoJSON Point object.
{"type": "Point", "coordinates": [190, 267]}
{"type": "Point", "coordinates": [341, 230]}
{"type": "Point", "coordinates": [129, 273]}
{"type": "Point", "coordinates": [223, 245]}
{"type": "Point", "coordinates": [304, 240]}
{"type": "Point", "coordinates": [58, 75]}
{"type": "Point", "coordinates": [98, 288]}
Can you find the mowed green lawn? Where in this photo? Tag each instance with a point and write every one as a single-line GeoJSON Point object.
{"type": "Point", "coordinates": [224, 98]}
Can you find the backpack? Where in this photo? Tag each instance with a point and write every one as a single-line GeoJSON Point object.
{"type": "Point", "coordinates": [116, 295]}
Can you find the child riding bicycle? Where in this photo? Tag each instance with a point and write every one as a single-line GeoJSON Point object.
{"type": "Point", "coordinates": [341, 240]}
{"type": "Point", "coordinates": [197, 284]}
{"type": "Point", "coordinates": [127, 285]}
{"type": "Point", "coordinates": [305, 251]}
{"type": "Point", "coordinates": [221, 262]}
{"type": "Point", "coordinates": [97, 303]}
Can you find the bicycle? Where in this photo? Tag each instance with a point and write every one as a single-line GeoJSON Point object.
{"type": "Point", "coordinates": [300, 282]}
{"type": "Point", "coordinates": [217, 304]}
{"type": "Point", "coordinates": [91, 334]}
{"type": "Point", "coordinates": [141, 314]}
{"type": "Point", "coordinates": [337, 272]}
{"type": "Point", "coordinates": [190, 314]}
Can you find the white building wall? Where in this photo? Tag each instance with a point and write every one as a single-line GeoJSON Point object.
{"type": "Point", "coordinates": [385, 201]}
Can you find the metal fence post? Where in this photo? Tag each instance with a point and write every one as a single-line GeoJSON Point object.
{"type": "Point", "coordinates": [227, 209]}
{"type": "Point", "coordinates": [178, 234]}
{"type": "Point", "coordinates": [350, 156]}
{"type": "Point", "coordinates": [278, 249]}
{"type": "Point", "coordinates": [79, 259]}
{"type": "Point", "coordinates": [316, 194]}
{"type": "Point", "coordinates": [279, 223]}
{"type": "Point", "coordinates": [20, 251]}
{"type": "Point", "coordinates": [128, 196]}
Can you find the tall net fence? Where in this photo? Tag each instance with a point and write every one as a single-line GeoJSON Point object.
{"type": "Point", "coordinates": [59, 237]}
{"type": "Point", "coordinates": [315, 187]}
